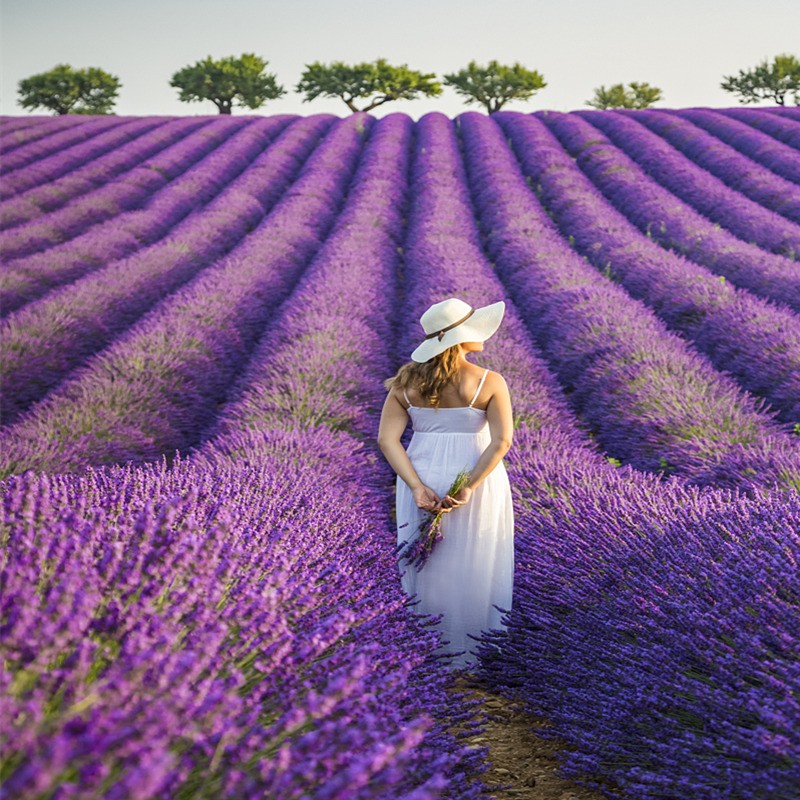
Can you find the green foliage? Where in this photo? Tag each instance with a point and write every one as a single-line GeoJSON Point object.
{"type": "Point", "coordinates": [227, 79]}
{"type": "Point", "coordinates": [634, 95]}
{"type": "Point", "coordinates": [767, 81]}
{"type": "Point", "coordinates": [70, 91]}
{"type": "Point", "coordinates": [377, 80]}
{"type": "Point", "coordinates": [495, 84]}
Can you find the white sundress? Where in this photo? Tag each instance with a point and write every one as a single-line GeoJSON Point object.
{"type": "Point", "coordinates": [472, 569]}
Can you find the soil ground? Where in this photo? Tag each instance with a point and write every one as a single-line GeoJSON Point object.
{"type": "Point", "coordinates": [519, 759]}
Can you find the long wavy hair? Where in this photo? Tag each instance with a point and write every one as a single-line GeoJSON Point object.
{"type": "Point", "coordinates": [428, 378]}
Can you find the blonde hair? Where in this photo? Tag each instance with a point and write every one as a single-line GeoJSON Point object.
{"type": "Point", "coordinates": [428, 378]}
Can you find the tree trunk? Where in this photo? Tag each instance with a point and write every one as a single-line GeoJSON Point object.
{"type": "Point", "coordinates": [376, 103]}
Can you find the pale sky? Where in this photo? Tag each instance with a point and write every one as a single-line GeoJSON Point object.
{"type": "Point", "coordinates": [685, 47]}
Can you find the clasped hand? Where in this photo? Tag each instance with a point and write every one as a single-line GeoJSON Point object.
{"type": "Point", "coordinates": [428, 500]}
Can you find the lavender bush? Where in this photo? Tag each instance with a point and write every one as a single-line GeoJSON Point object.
{"type": "Point", "coordinates": [656, 627]}
{"type": "Point", "coordinates": [180, 358]}
{"type": "Point", "coordinates": [785, 111]}
{"type": "Point", "coordinates": [224, 630]}
{"type": "Point", "coordinates": [76, 218]}
{"type": "Point", "coordinates": [562, 492]}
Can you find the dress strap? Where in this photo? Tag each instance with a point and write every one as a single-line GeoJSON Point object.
{"type": "Point", "coordinates": [407, 400]}
{"type": "Point", "coordinates": [478, 390]}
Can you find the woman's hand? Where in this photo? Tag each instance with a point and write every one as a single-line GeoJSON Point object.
{"type": "Point", "coordinates": [426, 498]}
{"type": "Point", "coordinates": [449, 502]}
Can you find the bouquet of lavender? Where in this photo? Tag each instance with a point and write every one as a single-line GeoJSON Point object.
{"type": "Point", "coordinates": [430, 529]}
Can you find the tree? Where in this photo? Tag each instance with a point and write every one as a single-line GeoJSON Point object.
{"type": "Point", "coordinates": [495, 84]}
{"type": "Point", "coordinates": [767, 81]}
{"type": "Point", "coordinates": [377, 80]}
{"type": "Point", "coordinates": [635, 95]}
{"type": "Point", "coordinates": [227, 79]}
{"type": "Point", "coordinates": [70, 91]}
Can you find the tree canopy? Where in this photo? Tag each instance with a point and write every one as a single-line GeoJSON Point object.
{"type": "Point", "coordinates": [767, 81]}
{"type": "Point", "coordinates": [229, 79]}
{"type": "Point", "coordinates": [634, 95]}
{"type": "Point", "coordinates": [66, 90]}
{"type": "Point", "coordinates": [378, 80]}
{"type": "Point", "coordinates": [495, 84]}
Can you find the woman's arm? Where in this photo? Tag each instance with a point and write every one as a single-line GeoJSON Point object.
{"type": "Point", "coordinates": [501, 427]}
{"type": "Point", "coordinates": [394, 419]}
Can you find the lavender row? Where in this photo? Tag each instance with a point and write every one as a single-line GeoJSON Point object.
{"type": "Point", "coordinates": [158, 386]}
{"type": "Point", "coordinates": [656, 628]}
{"type": "Point", "coordinates": [47, 160]}
{"type": "Point", "coordinates": [784, 130]}
{"type": "Point", "coordinates": [704, 192]}
{"type": "Point", "coordinates": [652, 401]}
{"type": "Point", "coordinates": [776, 156]}
{"type": "Point", "coordinates": [42, 342]}
{"type": "Point", "coordinates": [93, 178]}
{"type": "Point", "coordinates": [317, 368]}
{"type": "Point", "coordinates": [11, 124]}
{"type": "Point", "coordinates": [763, 354]}
{"type": "Point", "coordinates": [726, 163]}
{"type": "Point", "coordinates": [59, 132]}
{"type": "Point", "coordinates": [673, 224]}
{"type": "Point", "coordinates": [786, 111]}
{"type": "Point", "coordinates": [217, 630]}
{"type": "Point", "coordinates": [18, 131]}
{"type": "Point", "coordinates": [77, 218]}
{"type": "Point", "coordinates": [198, 180]}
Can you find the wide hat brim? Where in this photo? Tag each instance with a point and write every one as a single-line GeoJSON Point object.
{"type": "Point", "coordinates": [478, 328]}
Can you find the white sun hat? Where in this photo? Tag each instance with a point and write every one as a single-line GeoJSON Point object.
{"type": "Point", "coordinates": [453, 321]}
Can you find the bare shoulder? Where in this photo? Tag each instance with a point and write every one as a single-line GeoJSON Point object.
{"type": "Point", "coordinates": [397, 393]}
{"type": "Point", "coordinates": [494, 387]}
{"type": "Point", "coordinates": [495, 382]}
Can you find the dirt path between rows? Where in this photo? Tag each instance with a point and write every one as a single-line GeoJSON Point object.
{"type": "Point", "coordinates": [518, 758]}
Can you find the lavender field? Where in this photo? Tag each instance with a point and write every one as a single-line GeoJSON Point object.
{"type": "Point", "coordinates": [200, 596]}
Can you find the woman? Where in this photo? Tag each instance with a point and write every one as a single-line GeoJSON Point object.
{"type": "Point", "coordinates": [462, 419]}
